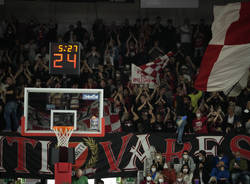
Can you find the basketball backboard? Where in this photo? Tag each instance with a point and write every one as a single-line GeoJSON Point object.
{"type": "Point", "coordinates": [48, 107]}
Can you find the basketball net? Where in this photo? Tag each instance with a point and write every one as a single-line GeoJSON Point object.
{"type": "Point", "coordinates": [63, 134]}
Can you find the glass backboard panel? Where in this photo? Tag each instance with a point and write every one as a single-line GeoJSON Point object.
{"type": "Point", "coordinates": [48, 107]}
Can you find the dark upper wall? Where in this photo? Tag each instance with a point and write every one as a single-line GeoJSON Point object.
{"type": "Point", "coordinates": [68, 12]}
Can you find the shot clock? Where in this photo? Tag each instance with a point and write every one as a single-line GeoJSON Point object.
{"type": "Point", "coordinates": [64, 59]}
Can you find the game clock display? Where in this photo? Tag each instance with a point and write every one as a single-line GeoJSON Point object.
{"type": "Point", "coordinates": [64, 59]}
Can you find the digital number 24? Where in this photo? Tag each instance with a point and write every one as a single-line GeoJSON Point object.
{"type": "Point", "coordinates": [56, 61]}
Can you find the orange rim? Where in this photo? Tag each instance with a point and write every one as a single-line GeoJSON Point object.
{"type": "Point", "coordinates": [63, 128]}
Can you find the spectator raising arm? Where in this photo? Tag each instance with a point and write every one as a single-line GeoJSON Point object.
{"type": "Point", "coordinates": [46, 68]}
{"type": "Point", "coordinates": [19, 72]}
{"type": "Point", "coordinates": [138, 96]}
{"type": "Point", "coordinates": [152, 116]}
{"type": "Point", "coordinates": [156, 90]}
{"type": "Point", "coordinates": [27, 76]}
{"type": "Point", "coordinates": [127, 44]}
{"type": "Point", "coordinates": [150, 106]}
{"type": "Point", "coordinates": [85, 65]}
{"type": "Point", "coordinates": [143, 105]}
{"type": "Point", "coordinates": [167, 117]}
{"type": "Point", "coordinates": [118, 40]}
{"type": "Point", "coordinates": [135, 116]}
{"type": "Point", "coordinates": [11, 75]}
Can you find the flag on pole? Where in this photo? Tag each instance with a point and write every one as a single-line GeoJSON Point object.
{"type": "Point", "coordinates": [226, 62]}
{"type": "Point", "coordinates": [150, 72]}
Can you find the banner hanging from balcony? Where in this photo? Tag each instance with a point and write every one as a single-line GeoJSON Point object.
{"type": "Point", "coordinates": [115, 155]}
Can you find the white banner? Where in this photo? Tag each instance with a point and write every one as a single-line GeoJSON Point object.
{"type": "Point", "coordinates": [137, 77]}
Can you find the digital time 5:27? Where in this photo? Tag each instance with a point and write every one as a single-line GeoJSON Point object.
{"type": "Point", "coordinates": [67, 48]}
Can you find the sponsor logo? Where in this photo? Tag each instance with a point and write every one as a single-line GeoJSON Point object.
{"type": "Point", "coordinates": [90, 96]}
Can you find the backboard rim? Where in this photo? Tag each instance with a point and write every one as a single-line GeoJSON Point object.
{"type": "Point", "coordinates": [51, 133]}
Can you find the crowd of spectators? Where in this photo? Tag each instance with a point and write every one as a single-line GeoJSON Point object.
{"type": "Point", "coordinates": [200, 169]}
{"type": "Point", "coordinates": [107, 52]}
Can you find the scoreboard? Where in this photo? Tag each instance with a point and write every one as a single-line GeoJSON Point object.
{"type": "Point", "coordinates": [64, 58]}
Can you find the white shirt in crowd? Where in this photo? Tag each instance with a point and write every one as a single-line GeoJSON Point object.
{"type": "Point", "coordinates": [45, 59]}
{"type": "Point", "coordinates": [230, 120]}
{"type": "Point", "coordinates": [185, 34]}
{"type": "Point", "coordinates": [111, 59]}
{"type": "Point", "coordinates": [201, 181]}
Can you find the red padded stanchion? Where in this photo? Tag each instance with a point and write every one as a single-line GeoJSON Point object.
{"type": "Point", "coordinates": [63, 172]}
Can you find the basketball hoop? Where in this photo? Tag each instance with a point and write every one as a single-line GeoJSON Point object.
{"type": "Point", "coordinates": [63, 134]}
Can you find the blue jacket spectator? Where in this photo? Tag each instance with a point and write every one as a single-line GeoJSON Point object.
{"type": "Point", "coordinates": [221, 157]}
{"type": "Point", "coordinates": [220, 173]}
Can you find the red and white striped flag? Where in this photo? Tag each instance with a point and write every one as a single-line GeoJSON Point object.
{"type": "Point", "coordinates": [226, 62]}
{"type": "Point", "coordinates": [148, 73]}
